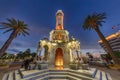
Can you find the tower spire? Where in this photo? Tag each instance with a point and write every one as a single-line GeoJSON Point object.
{"type": "Point", "coordinates": [59, 20]}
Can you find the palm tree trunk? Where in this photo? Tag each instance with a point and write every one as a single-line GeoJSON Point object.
{"type": "Point", "coordinates": [107, 45]}
{"type": "Point", "coordinates": [8, 42]}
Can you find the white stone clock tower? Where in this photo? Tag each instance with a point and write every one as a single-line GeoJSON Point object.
{"type": "Point", "coordinates": [59, 49]}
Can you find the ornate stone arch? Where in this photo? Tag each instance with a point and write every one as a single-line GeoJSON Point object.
{"type": "Point", "coordinates": [74, 44]}
{"type": "Point", "coordinates": [44, 43]}
{"type": "Point", "coordinates": [46, 52]}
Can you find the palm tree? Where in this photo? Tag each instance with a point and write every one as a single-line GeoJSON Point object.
{"type": "Point", "coordinates": [16, 27]}
{"type": "Point", "coordinates": [94, 22]}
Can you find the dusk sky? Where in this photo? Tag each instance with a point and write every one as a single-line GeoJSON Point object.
{"type": "Point", "coordinates": [40, 17]}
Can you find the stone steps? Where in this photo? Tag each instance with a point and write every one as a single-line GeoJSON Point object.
{"type": "Point", "coordinates": [57, 74]}
{"type": "Point", "coordinates": [10, 76]}
{"type": "Point", "coordinates": [51, 74]}
{"type": "Point", "coordinates": [34, 77]}
{"type": "Point", "coordinates": [5, 77]}
{"type": "Point", "coordinates": [59, 79]}
{"type": "Point", "coordinates": [80, 76]}
{"type": "Point", "coordinates": [13, 75]}
{"type": "Point", "coordinates": [17, 75]}
{"type": "Point", "coordinates": [80, 73]}
{"type": "Point", "coordinates": [101, 75]}
{"type": "Point", "coordinates": [34, 73]}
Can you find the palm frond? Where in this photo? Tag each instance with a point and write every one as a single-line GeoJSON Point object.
{"type": "Point", "coordinates": [7, 31]}
{"type": "Point", "coordinates": [14, 24]}
{"type": "Point", "coordinates": [94, 21]}
{"type": "Point", "coordinates": [8, 25]}
{"type": "Point", "coordinates": [25, 32]}
{"type": "Point", "coordinates": [3, 27]}
{"type": "Point", "coordinates": [12, 20]}
{"type": "Point", "coordinates": [26, 28]}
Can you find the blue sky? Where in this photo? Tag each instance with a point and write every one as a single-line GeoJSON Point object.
{"type": "Point", "coordinates": [40, 17]}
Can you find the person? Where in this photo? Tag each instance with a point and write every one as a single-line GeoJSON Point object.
{"type": "Point", "coordinates": [112, 62]}
{"type": "Point", "coordinates": [23, 63]}
{"type": "Point", "coordinates": [27, 62]}
{"type": "Point", "coordinates": [105, 63]}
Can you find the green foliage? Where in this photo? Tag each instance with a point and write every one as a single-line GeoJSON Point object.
{"type": "Point", "coordinates": [16, 27]}
{"type": "Point", "coordinates": [13, 25]}
{"type": "Point", "coordinates": [4, 54]}
{"type": "Point", "coordinates": [106, 56]}
{"type": "Point", "coordinates": [33, 54]}
{"type": "Point", "coordinates": [3, 64]}
{"type": "Point", "coordinates": [94, 21]}
{"type": "Point", "coordinates": [26, 53]}
{"type": "Point", "coordinates": [8, 56]}
{"type": "Point", "coordinates": [117, 54]}
{"type": "Point", "coordinates": [20, 55]}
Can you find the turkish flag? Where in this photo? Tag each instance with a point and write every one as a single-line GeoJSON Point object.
{"type": "Point", "coordinates": [113, 27]}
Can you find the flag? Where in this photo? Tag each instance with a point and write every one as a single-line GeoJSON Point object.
{"type": "Point", "coordinates": [113, 27]}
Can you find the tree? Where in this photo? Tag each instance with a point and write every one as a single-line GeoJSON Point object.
{"type": "Point", "coordinates": [4, 55]}
{"type": "Point", "coordinates": [33, 54]}
{"type": "Point", "coordinates": [27, 53]}
{"type": "Point", "coordinates": [94, 22]}
{"type": "Point", "coordinates": [20, 55]}
{"type": "Point", "coordinates": [17, 28]}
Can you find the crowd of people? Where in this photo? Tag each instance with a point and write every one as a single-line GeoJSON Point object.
{"type": "Point", "coordinates": [26, 63]}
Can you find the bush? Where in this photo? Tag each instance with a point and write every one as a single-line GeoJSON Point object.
{"type": "Point", "coordinates": [1, 64]}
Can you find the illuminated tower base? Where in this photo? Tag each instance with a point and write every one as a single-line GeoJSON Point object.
{"type": "Point", "coordinates": [59, 48]}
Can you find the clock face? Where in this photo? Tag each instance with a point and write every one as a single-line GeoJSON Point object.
{"type": "Point", "coordinates": [59, 14]}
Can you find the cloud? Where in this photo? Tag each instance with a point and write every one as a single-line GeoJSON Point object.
{"type": "Point", "coordinates": [17, 44]}
{"type": "Point", "coordinates": [40, 30]}
{"type": "Point", "coordinates": [89, 45]}
{"type": "Point", "coordinates": [98, 51]}
{"type": "Point", "coordinates": [13, 50]}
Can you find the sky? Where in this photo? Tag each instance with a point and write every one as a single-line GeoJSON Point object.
{"type": "Point", "coordinates": [40, 17]}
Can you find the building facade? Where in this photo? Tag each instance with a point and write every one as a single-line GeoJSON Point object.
{"type": "Point", "coordinates": [114, 41]}
{"type": "Point", "coordinates": [59, 48]}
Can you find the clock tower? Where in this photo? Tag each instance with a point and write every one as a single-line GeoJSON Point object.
{"type": "Point", "coordinates": [59, 34]}
{"type": "Point", "coordinates": [59, 20]}
{"type": "Point", "coordinates": [58, 49]}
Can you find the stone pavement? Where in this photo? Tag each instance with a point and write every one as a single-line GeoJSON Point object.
{"type": "Point", "coordinates": [11, 68]}
{"type": "Point", "coordinates": [115, 74]}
